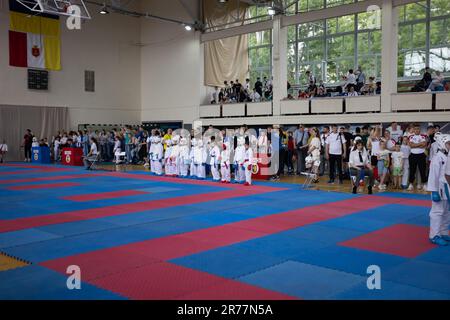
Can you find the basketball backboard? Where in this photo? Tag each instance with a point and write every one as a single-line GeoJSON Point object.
{"type": "Point", "coordinates": [58, 7]}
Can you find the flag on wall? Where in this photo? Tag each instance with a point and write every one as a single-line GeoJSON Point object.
{"type": "Point", "coordinates": [34, 40]}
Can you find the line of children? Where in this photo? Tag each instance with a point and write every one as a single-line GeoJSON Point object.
{"type": "Point", "coordinates": [189, 160]}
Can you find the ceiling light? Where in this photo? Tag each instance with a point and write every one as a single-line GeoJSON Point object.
{"type": "Point", "coordinates": [104, 9]}
{"type": "Point", "coordinates": [188, 27]}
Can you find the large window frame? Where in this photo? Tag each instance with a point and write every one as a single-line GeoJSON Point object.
{"type": "Point", "coordinates": [427, 20]}
{"type": "Point", "coordinates": [264, 70]}
{"type": "Point", "coordinates": [340, 64]}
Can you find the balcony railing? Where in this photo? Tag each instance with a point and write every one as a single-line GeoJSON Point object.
{"type": "Point", "coordinates": [401, 102]}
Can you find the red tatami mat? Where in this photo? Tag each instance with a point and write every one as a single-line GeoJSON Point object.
{"type": "Point", "coordinates": [53, 178]}
{"type": "Point", "coordinates": [105, 195]}
{"type": "Point", "coordinates": [102, 263]}
{"type": "Point", "coordinates": [31, 222]}
{"type": "Point", "coordinates": [403, 240]}
{"type": "Point", "coordinates": [166, 281]}
{"type": "Point", "coordinates": [44, 186]}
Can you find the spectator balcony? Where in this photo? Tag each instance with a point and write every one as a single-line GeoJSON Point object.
{"type": "Point", "coordinates": [341, 107]}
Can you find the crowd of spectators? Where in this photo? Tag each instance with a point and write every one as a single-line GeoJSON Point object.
{"type": "Point", "coordinates": [234, 91]}
{"type": "Point", "coordinates": [395, 155]}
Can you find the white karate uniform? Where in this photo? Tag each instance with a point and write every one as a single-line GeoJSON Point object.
{"type": "Point", "coordinates": [167, 158]}
{"type": "Point", "coordinates": [225, 165]}
{"type": "Point", "coordinates": [248, 164]}
{"type": "Point", "coordinates": [56, 150]}
{"type": "Point", "coordinates": [214, 154]}
{"type": "Point", "coordinates": [239, 158]}
{"type": "Point", "coordinates": [184, 158]}
{"type": "Point", "coordinates": [157, 156]}
{"type": "Point", "coordinates": [200, 156]}
{"type": "Point", "coordinates": [193, 169]}
{"type": "Point", "coordinates": [175, 160]}
{"type": "Point", "coordinates": [151, 142]}
{"type": "Point", "coordinates": [439, 213]}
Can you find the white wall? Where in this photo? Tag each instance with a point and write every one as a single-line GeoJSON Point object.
{"type": "Point", "coordinates": [105, 44]}
{"type": "Point", "coordinates": [171, 64]}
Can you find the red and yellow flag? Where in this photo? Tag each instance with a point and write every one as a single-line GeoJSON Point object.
{"type": "Point", "coordinates": [34, 40]}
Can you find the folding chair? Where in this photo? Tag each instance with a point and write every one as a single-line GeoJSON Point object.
{"type": "Point", "coordinates": [355, 181]}
{"type": "Point", "coordinates": [120, 158]}
{"type": "Point", "coordinates": [310, 175]}
{"type": "Point", "coordinates": [94, 161]}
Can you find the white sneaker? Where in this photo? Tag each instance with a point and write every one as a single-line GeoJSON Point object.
{"type": "Point", "coordinates": [419, 187]}
{"type": "Point", "coordinates": [411, 187]}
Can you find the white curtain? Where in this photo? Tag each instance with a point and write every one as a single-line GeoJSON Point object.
{"type": "Point", "coordinates": [44, 122]}
{"type": "Point", "coordinates": [225, 59]}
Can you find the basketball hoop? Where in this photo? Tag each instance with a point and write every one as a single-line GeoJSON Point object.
{"type": "Point", "coordinates": [57, 7]}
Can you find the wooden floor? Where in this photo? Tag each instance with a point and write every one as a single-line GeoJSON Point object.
{"type": "Point", "coordinates": [321, 185]}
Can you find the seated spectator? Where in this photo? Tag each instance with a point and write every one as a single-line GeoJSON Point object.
{"type": "Point", "coordinates": [321, 92]}
{"type": "Point", "coordinates": [378, 87]}
{"type": "Point", "coordinates": [303, 94]}
{"type": "Point", "coordinates": [437, 84]}
{"type": "Point", "coordinates": [369, 87]}
{"type": "Point", "coordinates": [92, 155]}
{"type": "Point", "coordinates": [360, 166]}
{"type": "Point", "coordinates": [255, 97]}
{"type": "Point", "coordinates": [351, 91]}
{"type": "Point", "coordinates": [3, 151]}
{"type": "Point", "coordinates": [312, 89]}
{"type": "Point", "coordinates": [322, 86]}
{"type": "Point", "coordinates": [424, 83]}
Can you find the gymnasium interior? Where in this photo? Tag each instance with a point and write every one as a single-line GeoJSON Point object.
{"type": "Point", "coordinates": [100, 100]}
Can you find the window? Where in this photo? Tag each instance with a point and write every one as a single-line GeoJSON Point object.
{"type": "Point", "coordinates": [260, 54]}
{"type": "Point", "coordinates": [329, 48]}
{"type": "Point", "coordinates": [424, 37]}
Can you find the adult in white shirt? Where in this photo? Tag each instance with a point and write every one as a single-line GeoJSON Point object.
{"type": "Point", "coordinates": [92, 155]}
{"type": "Point", "coordinates": [351, 79]}
{"type": "Point", "coordinates": [3, 151]}
{"type": "Point", "coordinates": [215, 96]}
{"type": "Point", "coordinates": [396, 131]}
{"type": "Point", "coordinates": [335, 152]}
{"type": "Point", "coordinates": [360, 166]}
{"type": "Point", "coordinates": [417, 159]}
